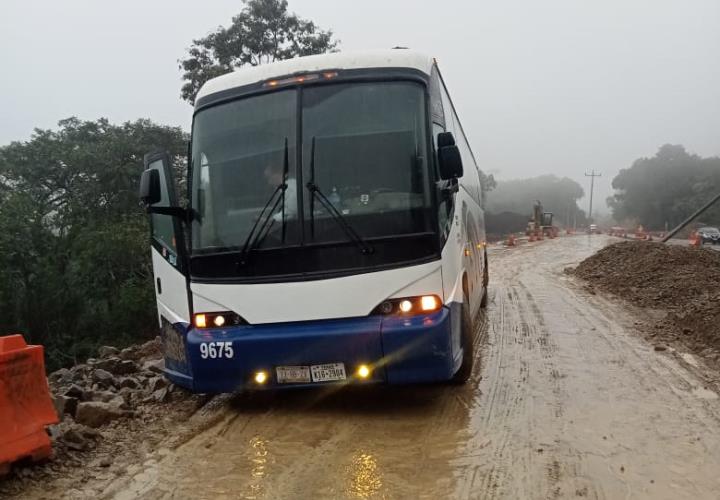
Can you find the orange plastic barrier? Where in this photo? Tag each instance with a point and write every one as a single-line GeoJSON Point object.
{"type": "Point", "coordinates": [25, 404]}
{"type": "Point", "coordinates": [695, 239]}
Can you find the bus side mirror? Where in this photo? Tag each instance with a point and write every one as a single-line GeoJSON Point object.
{"type": "Point", "coordinates": [150, 187]}
{"type": "Point", "coordinates": [449, 159]}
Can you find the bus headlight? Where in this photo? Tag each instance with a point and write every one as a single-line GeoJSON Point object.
{"type": "Point", "coordinates": [409, 306]}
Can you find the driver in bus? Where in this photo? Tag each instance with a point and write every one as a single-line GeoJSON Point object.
{"type": "Point", "coordinates": [274, 176]}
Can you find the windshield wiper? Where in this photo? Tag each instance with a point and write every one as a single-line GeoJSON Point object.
{"type": "Point", "coordinates": [349, 231]}
{"type": "Point", "coordinates": [254, 239]}
{"type": "Point", "coordinates": [315, 192]}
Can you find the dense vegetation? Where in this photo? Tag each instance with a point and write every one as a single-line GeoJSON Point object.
{"type": "Point", "coordinates": [74, 254]}
{"type": "Point", "coordinates": [666, 188]}
{"type": "Point", "coordinates": [558, 195]}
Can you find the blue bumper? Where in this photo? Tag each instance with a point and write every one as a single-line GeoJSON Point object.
{"type": "Point", "coordinates": [399, 350]}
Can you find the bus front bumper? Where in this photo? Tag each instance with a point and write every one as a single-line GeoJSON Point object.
{"type": "Point", "coordinates": [398, 350]}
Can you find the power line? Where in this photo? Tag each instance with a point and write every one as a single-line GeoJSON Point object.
{"type": "Point", "coordinates": [592, 176]}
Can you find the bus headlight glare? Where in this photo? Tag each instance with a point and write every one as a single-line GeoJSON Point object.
{"type": "Point", "coordinates": [220, 320]}
{"type": "Point", "coordinates": [200, 321]}
{"type": "Point", "coordinates": [428, 303]}
{"type": "Point", "coordinates": [363, 371]}
{"type": "Point", "coordinates": [405, 306]}
{"type": "Point", "coordinates": [260, 377]}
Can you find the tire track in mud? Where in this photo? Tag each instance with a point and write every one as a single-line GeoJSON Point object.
{"type": "Point", "coordinates": [517, 334]}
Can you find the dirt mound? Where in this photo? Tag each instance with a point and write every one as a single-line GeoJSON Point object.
{"type": "Point", "coordinates": [680, 284]}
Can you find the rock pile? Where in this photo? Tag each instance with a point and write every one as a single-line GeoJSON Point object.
{"type": "Point", "coordinates": [113, 386]}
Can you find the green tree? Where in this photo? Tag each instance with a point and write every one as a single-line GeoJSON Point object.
{"type": "Point", "coordinates": [666, 188]}
{"type": "Point", "coordinates": [263, 32]}
{"type": "Point", "coordinates": [74, 260]}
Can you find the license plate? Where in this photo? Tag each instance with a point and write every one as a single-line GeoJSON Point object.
{"type": "Point", "coordinates": [293, 374]}
{"type": "Point", "coordinates": [328, 372]}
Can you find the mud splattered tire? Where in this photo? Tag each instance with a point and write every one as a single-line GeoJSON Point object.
{"type": "Point", "coordinates": [466, 337]}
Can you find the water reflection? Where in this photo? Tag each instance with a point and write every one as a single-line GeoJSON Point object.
{"type": "Point", "coordinates": [365, 476]}
{"type": "Point", "coordinates": [259, 461]}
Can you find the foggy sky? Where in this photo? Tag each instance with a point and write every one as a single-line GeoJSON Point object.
{"type": "Point", "coordinates": [558, 86]}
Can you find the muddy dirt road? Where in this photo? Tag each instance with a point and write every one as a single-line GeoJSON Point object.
{"type": "Point", "coordinates": [569, 402]}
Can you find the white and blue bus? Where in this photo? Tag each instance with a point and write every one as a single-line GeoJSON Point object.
{"type": "Point", "coordinates": [333, 231]}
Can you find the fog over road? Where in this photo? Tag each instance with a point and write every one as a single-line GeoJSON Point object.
{"type": "Point", "coordinates": [568, 402]}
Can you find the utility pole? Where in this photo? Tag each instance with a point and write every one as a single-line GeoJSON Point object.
{"type": "Point", "coordinates": [592, 176]}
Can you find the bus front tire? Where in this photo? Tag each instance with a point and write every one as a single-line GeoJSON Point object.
{"type": "Point", "coordinates": [466, 336]}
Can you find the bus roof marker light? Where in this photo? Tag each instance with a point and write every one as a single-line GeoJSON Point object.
{"type": "Point", "coordinates": [291, 80]}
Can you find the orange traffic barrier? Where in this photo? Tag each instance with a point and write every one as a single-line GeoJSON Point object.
{"type": "Point", "coordinates": [695, 239]}
{"type": "Point", "coordinates": [25, 404]}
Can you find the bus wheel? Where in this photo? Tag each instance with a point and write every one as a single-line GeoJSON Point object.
{"type": "Point", "coordinates": [466, 335]}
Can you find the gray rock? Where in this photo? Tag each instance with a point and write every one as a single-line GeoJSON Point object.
{"type": "Point", "coordinates": [118, 366]}
{"type": "Point", "coordinates": [65, 405]}
{"type": "Point", "coordinates": [154, 365]}
{"type": "Point", "coordinates": [75, 391]}
{"type": "Point", "coordinates": [102, 396]}
{"type": "Point", "coordinates": [98, 413]}
{"type": "Point", "coordinates": [75, 441]}
{"type": "Point", "coordinates": [128, 353]}
{"type": "Point", "coordinates": [161, 395]}
{"type": "Point", "coordinates": [127, 394]}
{"type": "Point", "coordinates": [129, 383]}
{"type": "Point", "coordinates": [103, 377]}
{"type": "Point", "coordinates": [157, 383]}
{"type": "Point", "coordinates": [63, 375]}
{"type": "Point", "coordinates": [79, 373]}
{"type": "Point", "coordinates": [126, 367]}
{"type": "Point", "coordinates": [106, 351]}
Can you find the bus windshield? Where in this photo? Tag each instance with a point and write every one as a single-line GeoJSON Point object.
{"type": "Point", "coordinates": [362, 147]}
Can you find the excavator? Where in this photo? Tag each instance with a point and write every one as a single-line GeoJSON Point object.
{"type": "Point", "coordinates": [541, 224]}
